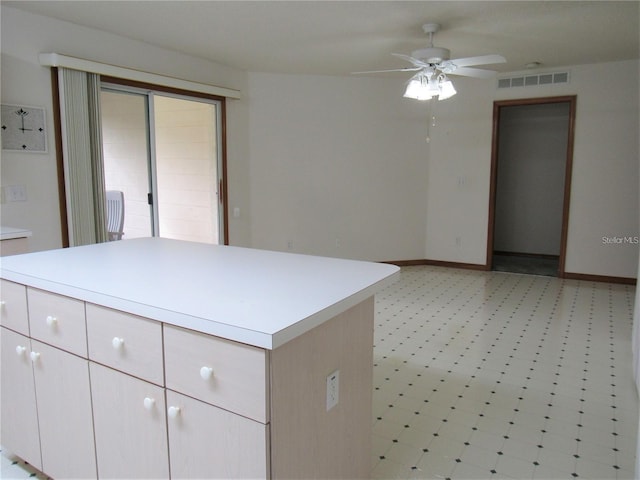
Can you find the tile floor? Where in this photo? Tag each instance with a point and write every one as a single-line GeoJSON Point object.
{"type": "Point", "coordinates": [13, 468]}
{"type": "Point", "coordinates": [496, 375]}
{"type": "Point", "coordinates": [499, 375]}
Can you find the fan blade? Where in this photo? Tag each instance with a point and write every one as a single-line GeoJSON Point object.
{"type": "Point", "coordinates": [406, 69]}
{"type": "Point", "coordinates": [473, 72]}
{"type": "Point", "coordinates": [415, 61]}
{"type": "Point", "coordinates": [480, 60]}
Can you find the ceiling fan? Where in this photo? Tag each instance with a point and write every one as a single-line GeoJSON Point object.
{"type": "Point", "coordinates": [433, 64]}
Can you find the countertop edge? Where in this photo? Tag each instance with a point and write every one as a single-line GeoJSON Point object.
{"type": "Point", "coordinates": [255, 338]}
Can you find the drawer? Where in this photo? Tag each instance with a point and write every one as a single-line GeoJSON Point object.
{"type": "Point", "coordinates": [227, 374]}
{"type": "Point", "coordinates": [125, 342]}
{"type": "Point", "coordinates": [58, 321]}
{"type": "Point", "coordinates": [13, 307]}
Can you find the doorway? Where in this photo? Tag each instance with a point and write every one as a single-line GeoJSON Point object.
{"type": "Point", "coordinates": [164, 152]}
{"type": "Point", "coordinates": [532, 152]}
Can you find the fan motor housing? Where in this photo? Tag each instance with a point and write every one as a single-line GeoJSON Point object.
{"type": "Point", "coordinates": [432, 55]}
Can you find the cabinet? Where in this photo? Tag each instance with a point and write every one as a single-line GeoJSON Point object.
{"type": "Point", "coordinates": [222, 432]}
{"type": "Point", "coordinates": [14, 241]}
{"type": "Point", "coordinates": [154, 400]}
{"type": "Point", "coordinates": [128, 397]}
{"type": "Point", "coordinates": [46, 402]}
{"type": "Point", "coordinates": [18, 420]}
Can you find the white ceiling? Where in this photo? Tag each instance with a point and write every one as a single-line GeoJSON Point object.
{"type": "Point", "coordinates": [339, 37]}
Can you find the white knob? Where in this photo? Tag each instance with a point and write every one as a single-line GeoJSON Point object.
{"type": "Point", "coordinates": [34, 356]}
{"type": "Point", "coordinates": [206, 373]}
{"type": "Point", "coordinates": [173, 411]}
{"type": "Point", "coordinates": [2, 303]}
{"type": "Point", "coordinates": [52, 321]}
{"type": "Point", "coordinates": [149, 403]}
{"type": "Point", "coordinates": [117, 342]}
{"type": "Point", "coordinates": [20, 349]}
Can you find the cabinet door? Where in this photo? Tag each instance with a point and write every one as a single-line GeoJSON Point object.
{"type": "Point", "coordinates": [130, 425]}
{"type": "Point", "coordinates": [19, 427]}
{"type": "Point", "coordinates": [64, 413]}
{"type": "Point", "coordinates": [208, 442]}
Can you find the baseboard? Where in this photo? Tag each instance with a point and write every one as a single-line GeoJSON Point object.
{"type": "Point", "coordinates": [474, 266]}
{"type": "Point", "coordinates": [598, 278]}
{"type": "Point", "coordinates": [437, 263]}
{"type": "Point", "coordinates": [405, 263]}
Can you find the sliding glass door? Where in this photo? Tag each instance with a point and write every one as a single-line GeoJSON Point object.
{"type": "Point", "coordinates": [126, 151]}
{"type": "Point", "coordinates": [164, 153]}
{"type": "Point", "coordinates": [186, 168]}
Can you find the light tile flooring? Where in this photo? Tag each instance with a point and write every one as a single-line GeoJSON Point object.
{"type": "Point", "coordinates": [499, 375]}
{"type": "Point", "coordinates": [496, 375]}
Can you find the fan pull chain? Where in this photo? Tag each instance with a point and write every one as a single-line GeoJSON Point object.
{"type": "Point", "coordinates": [431, 119]}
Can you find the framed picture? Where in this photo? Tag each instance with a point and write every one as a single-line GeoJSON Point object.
{"type": "Point", "coordinates": [23, 128]}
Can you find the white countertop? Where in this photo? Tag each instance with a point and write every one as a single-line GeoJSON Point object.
{"type": "Point", "coordinates": [257, 297]}
{"type": "Point", "coordinates": [10, 233]}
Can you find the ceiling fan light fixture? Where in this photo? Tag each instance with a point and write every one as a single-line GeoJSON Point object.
{"type": "Point", "coordinates": [420, 88]}
{"type": "Point", "coordinates": [446, 88]}
{"type": "Point", "coordinates": [424, 87]}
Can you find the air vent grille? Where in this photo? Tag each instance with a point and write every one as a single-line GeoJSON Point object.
{"type": "Point", "coordinates": [534, 80]}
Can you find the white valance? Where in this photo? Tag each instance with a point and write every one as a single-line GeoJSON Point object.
{"type": "Point", "coordinates": [74, 63]}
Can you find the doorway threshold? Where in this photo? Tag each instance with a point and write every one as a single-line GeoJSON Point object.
{"type": "Point", "coordinates": [544, 265]}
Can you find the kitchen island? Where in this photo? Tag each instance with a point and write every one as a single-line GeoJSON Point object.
{"type": "Point", "coordinates": [160, 358]}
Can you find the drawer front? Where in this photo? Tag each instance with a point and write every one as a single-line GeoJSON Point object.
{"type": "Point", "coordinates": [58, 321]}
{"type": "Point", "coordinates": [230, 375]}
{"type": "Point", "coordinates": [13, 307]}
{"type": "Point", "coordinates": [125, 342]}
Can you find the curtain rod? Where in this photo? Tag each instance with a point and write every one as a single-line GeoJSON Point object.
{"type": "Point", "coordinates": [65, 61]}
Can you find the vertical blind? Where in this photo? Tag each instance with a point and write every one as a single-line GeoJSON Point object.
{"type": "Point", "coordinates": [79, 94]}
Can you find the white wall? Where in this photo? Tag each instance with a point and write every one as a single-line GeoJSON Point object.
{"type": "Point", "coordinates": [24, 81]}
{"type": "Point", "coordinates": [604, 194]}
{"type": "Point", "coordinates": [604, 197]}
{"type": "Point", "coordinates": [338, 167]}
{"type": "Point", "coordinates": [315, 159]}
{"type": "Point", "coordinates": [459, 165]}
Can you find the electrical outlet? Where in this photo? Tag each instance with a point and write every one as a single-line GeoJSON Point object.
{"type": "Point", "coordinates": [333, 389]}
